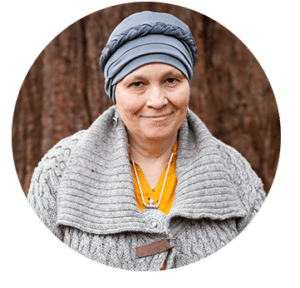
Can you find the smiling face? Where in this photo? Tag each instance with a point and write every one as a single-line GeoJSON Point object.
{"type": "Point", "coordinates": [153, 101]}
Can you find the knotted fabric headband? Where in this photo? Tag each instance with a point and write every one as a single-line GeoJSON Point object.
{"type": "Point", "coordinates": [145, 38]}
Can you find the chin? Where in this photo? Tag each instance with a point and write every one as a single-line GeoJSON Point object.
{"type": "Point", "coordinates": [160, 135]}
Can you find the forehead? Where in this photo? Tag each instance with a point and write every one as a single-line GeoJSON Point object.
{"type": "Point", "coordinates": [155, 70]}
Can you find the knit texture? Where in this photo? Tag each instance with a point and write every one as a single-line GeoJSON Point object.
{"type": "Point", "coordinates": [83, 191]}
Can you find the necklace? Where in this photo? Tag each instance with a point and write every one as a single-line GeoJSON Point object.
{"type": "Point", "coordinates": [152, 215]}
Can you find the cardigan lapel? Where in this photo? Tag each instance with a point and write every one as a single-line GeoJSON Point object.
{"type": "Point", "coordinates": [204, 188]}
{"type": "Point", "coordinates": [96, 193]}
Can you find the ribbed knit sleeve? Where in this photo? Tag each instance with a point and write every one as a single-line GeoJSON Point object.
{"type": "Point", "coordinates": [45, 181]}
{"type": "Point", "coordinates": [248, 185]}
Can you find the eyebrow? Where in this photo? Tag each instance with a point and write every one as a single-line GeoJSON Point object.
{"type": "Point", "coordinates": [169, 72]}
{"type": "Point", "coordinates": [173, 71]}
{"type": "Point", "coordinates": [136, 77]}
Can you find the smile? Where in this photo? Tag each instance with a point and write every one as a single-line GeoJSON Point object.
{"type": "Point", "coordinates": [158, 116]}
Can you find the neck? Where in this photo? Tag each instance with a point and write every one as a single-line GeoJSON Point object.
{"type": "Point", "coordinates": [151, 150]}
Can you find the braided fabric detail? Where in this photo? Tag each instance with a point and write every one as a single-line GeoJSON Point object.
{"type": "Point", "coordinates": [198, 239]}
{"type": "Point", "coordinates": [147, 29]}
{"type": "Point", "coordinates": [45, 182]}
{"type": "Point", "coordinates": [115, 250]}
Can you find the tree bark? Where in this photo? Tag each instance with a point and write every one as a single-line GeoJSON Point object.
{"type": "Point", "coordinates": [63, 90]}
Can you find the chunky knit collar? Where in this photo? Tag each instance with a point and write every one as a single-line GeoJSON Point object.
{"type": "Point", "coordinates": [96, 193]}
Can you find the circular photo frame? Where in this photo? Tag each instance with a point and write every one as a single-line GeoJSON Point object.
{"type": "Point", "coordinates": [225, 164]}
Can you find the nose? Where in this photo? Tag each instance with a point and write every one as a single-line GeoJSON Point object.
{"type": "Point", "coordinates": [156, 98]}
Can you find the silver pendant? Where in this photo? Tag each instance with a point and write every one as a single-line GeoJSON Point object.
{"type": "Point", "coordinates": [155, 218]}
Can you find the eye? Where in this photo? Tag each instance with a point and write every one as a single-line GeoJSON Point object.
{"type": "Point", "coordinates": [171, 81]}
{"type": "Point", "coordinates": [137, 84]}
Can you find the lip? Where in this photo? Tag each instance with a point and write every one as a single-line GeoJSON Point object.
{"type": "Point", "coordinates": [158, 116]}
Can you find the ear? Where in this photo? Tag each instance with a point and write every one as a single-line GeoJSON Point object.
{"type": "Point", "coordinates": [114, 95]}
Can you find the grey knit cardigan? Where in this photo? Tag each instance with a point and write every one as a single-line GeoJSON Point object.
{"type": "Point", "coordinates": [83, 192]}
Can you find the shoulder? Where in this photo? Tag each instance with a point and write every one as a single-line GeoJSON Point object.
{"type": "Point", "coordinates": [51, 167]}
{"type": "Point", "coordinates": [232, 157]}
{"type": "Point", "coordinates": [237, 165]}
{"type": "Point", "coordinates": [59, 154]}
{"type": "Point", "coordinates": [63, 149]}
{"type": "Point", "coordinates": [45, 181]}
{"type": "Point", "coordinates": [48, 172]}
{"type": "Point", "coordinates": [57, 157]}
{"type": "Point", "coordinates": [247, 183]}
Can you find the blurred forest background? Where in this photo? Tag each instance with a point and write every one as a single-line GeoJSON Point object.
{"type": "Point", "coordinates": [63, 90]}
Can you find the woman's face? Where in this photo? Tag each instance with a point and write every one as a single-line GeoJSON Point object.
{"type": "Point", "coordinates": [153, 101]}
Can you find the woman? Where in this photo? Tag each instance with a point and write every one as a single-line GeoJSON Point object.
{"type": "Point", "coordinates": [146, 187]}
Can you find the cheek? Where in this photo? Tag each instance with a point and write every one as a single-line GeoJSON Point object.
{"type": "Point", "coordinates": [182, 98]}
{"type": "Point", "coordinates": [125, 103]}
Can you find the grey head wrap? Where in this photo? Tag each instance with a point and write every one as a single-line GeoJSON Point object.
{"type": "Point", "coordinates": [144, 38]}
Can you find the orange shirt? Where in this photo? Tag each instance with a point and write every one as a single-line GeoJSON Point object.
{"type": "Point", "coordinates": [169, 189]}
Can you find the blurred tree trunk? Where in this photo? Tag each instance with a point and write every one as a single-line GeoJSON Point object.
{"type": "Point", "coordinates": [63, 91]}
